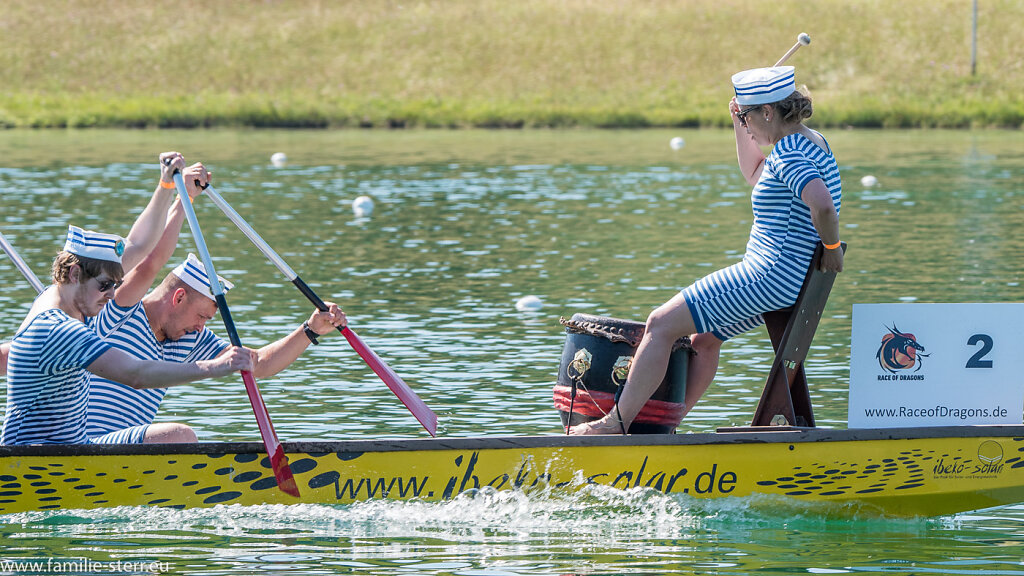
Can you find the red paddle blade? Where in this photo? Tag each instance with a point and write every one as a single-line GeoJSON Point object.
{"type": "Point", "coordinates": [278, 460]}
{"type": "Point", "coordinates": [283, 472]}
{"type": "Point", "coordinates": [412, 401]}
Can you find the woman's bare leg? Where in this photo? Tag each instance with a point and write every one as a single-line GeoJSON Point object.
{"type": "Point", "coordinates": [703, 368]}
{"type": "Point", "coordinates": [670, 322]}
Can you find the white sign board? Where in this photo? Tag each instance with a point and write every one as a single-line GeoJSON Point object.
{"type": "Point", "coordinates": [936, 365]}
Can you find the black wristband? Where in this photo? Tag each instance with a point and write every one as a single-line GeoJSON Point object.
{"type": "Point", "coordinates": [310, 333]}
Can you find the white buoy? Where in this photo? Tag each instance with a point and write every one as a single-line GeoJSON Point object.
{"type": "Point", "coordinates": [529, 304]}
{"type": "Point", "coordinates": [868, 181]}
{"type": "Point", "coordinates": [362, 206]}
{"type": "Point", "coordinates": [676, 143]}
{"type": "Point", "coordinates": [278, 159]}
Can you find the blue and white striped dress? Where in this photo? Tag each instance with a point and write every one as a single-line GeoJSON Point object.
{"type": "Point", "coordinates": [47, 388]}
{"type": "Point", "coordinates": [114, 406]}
{"type": "Point", "coordinates": [782, 241]}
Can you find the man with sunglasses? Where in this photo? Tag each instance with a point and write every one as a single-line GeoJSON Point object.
{"type": "Point", "coordinates": [47, 385]}
{"type": "Point", "coordinates": [148, 227]}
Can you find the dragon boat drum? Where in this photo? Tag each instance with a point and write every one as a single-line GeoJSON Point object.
{"type": "Point", "coordinates": [597, 355]}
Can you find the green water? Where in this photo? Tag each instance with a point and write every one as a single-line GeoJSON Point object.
{"type": "Point", "coordinates": [466, 223]}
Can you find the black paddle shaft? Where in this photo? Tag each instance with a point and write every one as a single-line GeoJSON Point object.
{"type": "Point", "coordinates": [312, 297]}
{"type": "Point", "coordinates": [229, 323]}
{"type": "Point", "coordinates": [309, 294]}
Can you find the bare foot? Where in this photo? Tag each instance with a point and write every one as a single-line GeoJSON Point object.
{"type": "Point", "coordinates": [607, 425]}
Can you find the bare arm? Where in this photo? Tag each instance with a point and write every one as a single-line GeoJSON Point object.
{"type": "Point", "coordinates": [748, 153]}
{"type": "Point", "coordinates": [826, 221]}
{"type": "Point", "coordinates": [140, 278]}
{"type": "Point", "coordinates": [277, 356]}
{"type": "Point", "coordinates": [149, 226]}
{"type": "Point", "coordinates": [5, 349]}
{"type": "Point", "coordinates": [120, 367]}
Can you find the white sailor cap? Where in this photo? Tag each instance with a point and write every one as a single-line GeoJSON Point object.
{"type": "Point", "coordinates": [193, 273]}
{"type": "Point", "coordinates": [763, 85]}
{"type": "Point", "coordinates": [97, 245]}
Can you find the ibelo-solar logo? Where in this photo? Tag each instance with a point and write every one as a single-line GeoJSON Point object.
{"type": "Point", "coordinates": [900, 351]}
{"type": "Point", "coordinates": [990, 460]}
{"type": "Point", "coordinates": [989, 464]}
{"type": "Point", "coordinates": [990, 452]}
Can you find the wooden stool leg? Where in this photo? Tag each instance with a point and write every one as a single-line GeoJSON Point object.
{"type": "Point", "coordinates": [776, 398]}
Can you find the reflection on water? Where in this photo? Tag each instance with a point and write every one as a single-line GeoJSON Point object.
{"type": "Point", "coordinates": [598, 530]}
{"type": "Point", "coordinates": [465, 224]}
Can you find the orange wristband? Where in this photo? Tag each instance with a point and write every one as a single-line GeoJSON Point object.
{"type": "Point", "coordinates": [167, 185]}
{"type": "Point", "coordinates": [832, 246]}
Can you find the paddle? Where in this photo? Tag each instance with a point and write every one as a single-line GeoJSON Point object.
{"type": "Point", "coordinates": [20, 264]}
{"type": "Point", "coordinates": [278, 459]}
{"type": "Point", "coordinates": [402, 390]}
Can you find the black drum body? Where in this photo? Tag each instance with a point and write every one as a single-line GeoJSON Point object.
{"type": "Point", "coordinates": [598, 354]}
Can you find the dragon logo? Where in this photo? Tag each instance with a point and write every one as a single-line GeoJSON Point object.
{"type": "Point", "coordinates": [900, 351]}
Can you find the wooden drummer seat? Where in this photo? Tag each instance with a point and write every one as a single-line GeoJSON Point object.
{"type": "Point", "coordinates": [786, 400]}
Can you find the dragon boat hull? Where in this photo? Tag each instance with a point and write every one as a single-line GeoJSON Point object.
{"type": "Point", "coordinates": [905, 472]}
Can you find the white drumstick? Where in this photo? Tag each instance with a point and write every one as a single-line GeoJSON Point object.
{"type": "Point", "coordinates": [802, 40]}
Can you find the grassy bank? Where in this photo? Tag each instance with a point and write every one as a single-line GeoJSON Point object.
{"type": "Point", "coordinates": [499, 63]}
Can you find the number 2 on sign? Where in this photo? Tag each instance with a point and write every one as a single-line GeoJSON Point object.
{"type": "Point", "coordinates": [986, 346]}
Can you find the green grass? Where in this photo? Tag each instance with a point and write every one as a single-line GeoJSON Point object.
{"type": "Point", "coordinates": [498, 63]}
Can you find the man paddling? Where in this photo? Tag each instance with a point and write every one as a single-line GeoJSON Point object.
{"type": "Point", "coordinates": [47, 388]}
{"type": "Point", "coordinates": [170, 324]}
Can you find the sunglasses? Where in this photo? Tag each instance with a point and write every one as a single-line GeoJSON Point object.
{"type": "Point", "coordinates": [742, 115]}
{"type": "Point", "coordinates": [108, 284]}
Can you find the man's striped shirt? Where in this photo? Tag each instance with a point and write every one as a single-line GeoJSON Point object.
{"type": "Point", "coordinates": [114, 406]}
{"type": "Point", "coordinates": [47, 386]}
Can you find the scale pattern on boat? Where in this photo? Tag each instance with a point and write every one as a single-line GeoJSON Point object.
{"type": "Point", "coordinates": [906, 476]}
{"type": "Point", "coordinates": [195, 480]}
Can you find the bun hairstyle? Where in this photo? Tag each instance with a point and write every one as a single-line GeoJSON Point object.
{"type": "Point", "coordinates": [794, 108]}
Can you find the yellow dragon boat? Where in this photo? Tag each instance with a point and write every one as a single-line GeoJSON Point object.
{"type": "Point", "coordinates": [924, 471]}
{"type": "Point", "coordinates": [904, 472]}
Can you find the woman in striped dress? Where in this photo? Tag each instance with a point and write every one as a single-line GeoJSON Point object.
{"type": "Point", "coordinates": [796, 200]}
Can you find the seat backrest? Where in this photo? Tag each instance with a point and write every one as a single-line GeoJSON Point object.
{"type": "Point", "coordinates": [792, 330]}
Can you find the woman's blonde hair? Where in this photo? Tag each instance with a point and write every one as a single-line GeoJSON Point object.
{"type": "Point", "coordinates": [794, 108]}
